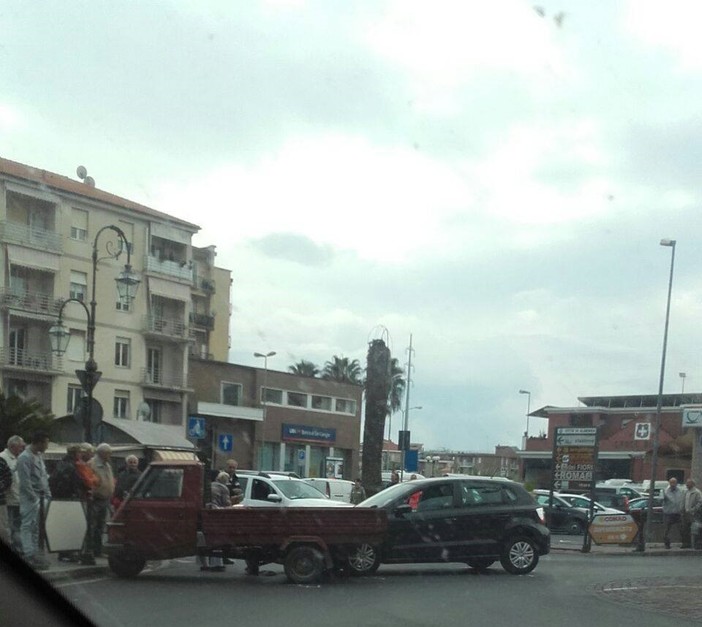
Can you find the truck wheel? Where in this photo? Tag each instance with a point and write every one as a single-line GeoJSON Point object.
{"type": "Point", "coordinates": [252, 564]}
{"type": "Point", "coordinates": [126, 565]}
{"type": "Point", "coordinates": [363, 560]}
{"type": "Point", "coordinates": [576, 527]}
{"type": "Point", "coordinates": [304, 564]}
{"type": "Point", "coordinates": [519, 555]}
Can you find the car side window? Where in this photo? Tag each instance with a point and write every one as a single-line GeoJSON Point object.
{"type": "Point", "coordinates": [436, 497]}
{"type": "Point", "coordinates": [260, 490]}
{"type": "Point", "coordinates": [161, 483]}
{"type": "Point", "coordinates": [473, 495]}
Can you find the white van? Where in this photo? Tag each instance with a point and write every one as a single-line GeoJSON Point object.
{"type": "Point", "coordinates": [335, 489]}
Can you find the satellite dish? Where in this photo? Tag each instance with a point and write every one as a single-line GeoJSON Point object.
{"type": "Point", "coordinates": [90, 181]}
{"type": "Point", "coordinates": [81, 172]}
{"type": "Point", "coordinates": [143, 411]}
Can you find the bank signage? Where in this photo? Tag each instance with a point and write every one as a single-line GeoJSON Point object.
{"type": "Point", "coordinates": [303, 433]}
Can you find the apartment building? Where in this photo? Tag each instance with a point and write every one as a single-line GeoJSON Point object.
{"type": "Point", "coordinates": [49, 227]}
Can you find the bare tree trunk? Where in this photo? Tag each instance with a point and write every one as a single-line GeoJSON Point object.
{"type": "Point", "coordinates": [377, 392]}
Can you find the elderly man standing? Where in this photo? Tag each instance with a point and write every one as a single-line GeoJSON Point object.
{"type": "Point", "coordinates": [126, 478]}
{"type": "Point", "coordinates": [15, 446]}
{"type": "Point", "coordinates": [693, 503]}
{"type": "Point", "coordinates": [34, 487]}
{"type": "Point", "coordinates": [673, 500]}
{"type": "Point", "coordinates": [100, 503]}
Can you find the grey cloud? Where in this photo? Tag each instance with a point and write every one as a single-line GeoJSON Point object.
{"type": "Point", "coordinates": [294, 247]}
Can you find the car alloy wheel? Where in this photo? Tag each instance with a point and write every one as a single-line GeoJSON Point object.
{"type": "Point", "coordinates": [363, 559]}
{"type": "Point", "coordinates": [519, 556]}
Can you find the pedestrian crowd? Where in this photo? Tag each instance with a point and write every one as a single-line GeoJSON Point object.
{"type": "Point", "coordinates": [84, 475]}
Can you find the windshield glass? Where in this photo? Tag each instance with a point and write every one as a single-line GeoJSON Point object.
{"type": "Point", "coordinates": [369, 241]}
{"type": "Point", "coordinates": [298, 489]}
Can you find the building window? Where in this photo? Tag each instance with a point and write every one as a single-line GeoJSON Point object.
{"type": "Point", "coordinates": [121, 305]}
{"type": "Point", "coordinates": [231, 393]}
{"type": "Point", "coordinates": [272, 396]}
{"type": "Point", "coordinates": [76, 346]}
{"type": "Point", "coordinates": [122, 346]}
{"type": "Point", "coordinates": [345, 406]}
{"type": "Point", "coordinates": [75, 393]}
{"type": "Point", "coordinates": [121, 404]}
{"type": "Point", "coordinates": [295, 399]}
{"type": "Point", "coordinates": [322, 402]}
{"type": "Point", "coordinates": [79, 285]}
{"type": "Point", "coordinates": [17, 387]}
{"type": "Point", "coordinates": [79, 225]}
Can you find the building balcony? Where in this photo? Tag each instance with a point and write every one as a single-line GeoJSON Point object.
{"type": "Point", "coordinates": [42, 362]}
{"type": "Point", "coordinates": [29, 301]}
{"type": "Point", "coordinates": [152, 378]}
{"type": "Point", "coordinates": [173, 328]}
{"type": "Point", "coordinates": [206, 285]}
{"type": "Point", "coordinates": [172, 268]}
{"type": "Point", "coordinates": [203, 321]}
{"type": "Point", "coordinates": [30, 236]}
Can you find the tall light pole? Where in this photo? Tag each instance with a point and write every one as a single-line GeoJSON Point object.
{"type": "Point", "coordinates": [657, 422]}
{"type": "Point", "coordinates": [528, 393]}
{"type": "Point", "coordinates": [265, 357]}
{"type": "Point", "coordinates": [405, 426]}
{"type": "Point", "coordinates": [127, 285]}
{"type": "Point", "coordinates": [682, 377]}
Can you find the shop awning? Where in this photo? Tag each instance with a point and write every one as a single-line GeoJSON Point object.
{"type": "Point", "coordinates": [233, 412]}
{"type": "Point", "coordinates": [171, 456]}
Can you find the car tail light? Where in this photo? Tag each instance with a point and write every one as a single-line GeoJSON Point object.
{"type": "Point", "coordinates": [540, 514]}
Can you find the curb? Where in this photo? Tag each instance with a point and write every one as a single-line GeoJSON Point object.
{"type": "Point", "coordinates": [72, 574]}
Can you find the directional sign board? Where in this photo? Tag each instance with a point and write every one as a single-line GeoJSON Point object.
{"type": "Point", "coordinates": [613, 529]}
{"type": "Point", "coordinates": [574, 458]}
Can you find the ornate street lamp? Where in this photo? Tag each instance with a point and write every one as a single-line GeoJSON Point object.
{"type": "Point", "coordinates": [127, 284]}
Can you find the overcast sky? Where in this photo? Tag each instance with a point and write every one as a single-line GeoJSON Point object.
{"type": "Point", "coordinates": [491, 177]}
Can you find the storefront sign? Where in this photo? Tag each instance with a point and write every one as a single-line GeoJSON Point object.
{"type": "Point", "coordinates": [302, 433]}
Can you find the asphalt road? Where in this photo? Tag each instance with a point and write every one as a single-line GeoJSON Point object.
{"type": "Point", "coordinates": [566, 588]}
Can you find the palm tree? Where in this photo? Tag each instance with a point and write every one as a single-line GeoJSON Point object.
{"type": "Point", "coordinates": [22, 417]}
{"type": "Point", "coordinates": [343, 370]}
{"type": "Point", "coordinates": [397, 386]}
{"type": "Point", "coordinates": [304, 368]}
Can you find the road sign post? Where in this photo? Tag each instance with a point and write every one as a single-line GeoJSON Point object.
{"type": "Point", "coordinates": [573, 465]}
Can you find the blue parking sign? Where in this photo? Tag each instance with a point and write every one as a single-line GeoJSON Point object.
{"type": "Point", "coordinates": [196, 427]}
{"type": "Point", "coordinates": [225, 441]}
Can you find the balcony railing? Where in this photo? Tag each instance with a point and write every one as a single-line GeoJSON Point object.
{"type": "Point", "coordinates": [154, 377]}
{"type": "Point", "coordinates": [204, 321]}
{"type": "Point", "coordinates": [37, 361]}
{"type": "Point", "coordinates": [178, 269]}
{"type": "Point", "coordinates": [30, 236]}
{"type": "Point", "coordinates": [29, 300]}
{"type": "Point", "coordinates": [170, 327]}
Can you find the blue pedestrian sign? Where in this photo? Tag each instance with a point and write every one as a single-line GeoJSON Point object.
{"type": "Point", "coordinates": [225, 441]}
{"type": "Point", "coordinates": [196, 427]}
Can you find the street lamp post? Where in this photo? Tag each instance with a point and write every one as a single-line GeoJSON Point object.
{"type": "Point", "coordinates": [265, 357]}
{"type": "Point", "coordinates": [528, 393]}
{"type": "Point", "coordinates": [127, 285]}
{"type": "Point", "coordinates": [682, 377]}
{"type": "Point", "coordinates": [657, 421]}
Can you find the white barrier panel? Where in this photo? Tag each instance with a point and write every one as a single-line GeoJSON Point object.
{"type": "Point", "coordinates": [66, 524]}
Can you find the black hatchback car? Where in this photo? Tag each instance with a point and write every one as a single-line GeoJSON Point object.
{"type": "Point", "coordinates": [450, 519]}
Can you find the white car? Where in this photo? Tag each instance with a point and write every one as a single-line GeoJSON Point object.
{"type": "Point", "coordinates": [334, 489]}
{"type": "Point", "coordinates": [583, 502]}
{"type": "Point", "coordinates": [273, 490]}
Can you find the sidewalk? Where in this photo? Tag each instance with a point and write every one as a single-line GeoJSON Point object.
{"type": "Point", "coordinates": [652, 549]}
{"type": "Point", "coordinates": [59, 571]}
